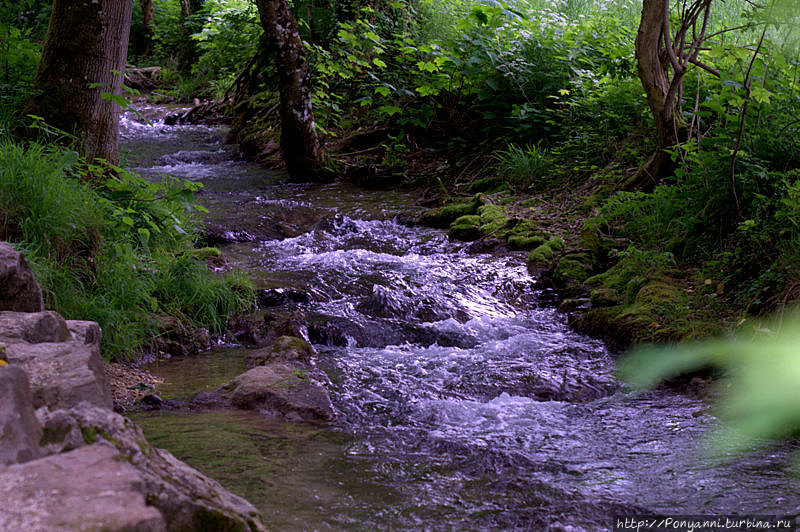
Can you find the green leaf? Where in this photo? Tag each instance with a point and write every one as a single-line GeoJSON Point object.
{"type": "Point", "coordinates": [127, 220]}
{"type": "Point", "coordinates": [389, 110]}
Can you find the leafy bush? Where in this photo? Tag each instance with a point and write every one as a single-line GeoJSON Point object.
{"type": "Point", "coordinates": [111, 249]}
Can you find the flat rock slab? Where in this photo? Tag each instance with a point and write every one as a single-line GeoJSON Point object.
{"type": "Point", "coordinates": [33, 327]}
{"type": "Point", "coordinates": [19, 429]}
{"type": "Point", "coordinates": [282, 390]}
{"type": "Point", "coordinates": [62, 375]}
{"type": "Point", "coordinates": [18, 289]}
{"type": "Point", "coordinates": [187, 499]}
{"type": "Point", "coordinates": [79, 490]}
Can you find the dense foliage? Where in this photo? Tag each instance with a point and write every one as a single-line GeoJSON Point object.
{"type": "Point", "coordinates": [115, 249]}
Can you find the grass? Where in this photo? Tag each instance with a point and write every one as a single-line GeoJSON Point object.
{"type": "Point", "coordinates": [85, 242]}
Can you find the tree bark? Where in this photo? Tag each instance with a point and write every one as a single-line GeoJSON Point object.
{"type": "Point", "coordinates": [86, 41]}
{"type": "Point", "coordinates": [654, 75]}
{"type": "Point", "coordinates": [663, 60]}
{"type": "Point", "coordinates": [188, 54]}
{"type": "Point", "coordinates": [148, 16]}
{"type": "Point", "coordinates": [299, 142]}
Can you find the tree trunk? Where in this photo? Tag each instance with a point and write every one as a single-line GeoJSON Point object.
{"type": "Point", "coordinates": [299, 142]}
{"type": "Point", "coordinates": [654, 75]}
{"type": "Point", "coordinates": [148, 16]}
{"type": "Point", "coordinates": [86, 41]}
{"type": "Point", "coordinates": [663, 60]}
{"type": "Point", "coordinates": [187, 56]}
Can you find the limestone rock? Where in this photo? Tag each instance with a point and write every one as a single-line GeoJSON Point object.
{"type": "Point", "coordinates": [34, 327]}
{"type": "Point", "coordinates": [88, 332]}
{"type": "Point", "coordinates": [18, 289]}
{"type": "Point", "coordinates": [64, 374]}
{"type": "Point", "coordinates": [78, 490]}
{"type": "Point", "coordinates": [282, 390]}
{"type": "Point", "coordinates": [19, 429]}
{"type": "Point", "coordinates": [187, 499]}
{"type": "Point", "coordinates": [285, 349]}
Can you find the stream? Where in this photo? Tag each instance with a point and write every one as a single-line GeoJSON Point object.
{"type": "Point", "coordinates": [464, 400]}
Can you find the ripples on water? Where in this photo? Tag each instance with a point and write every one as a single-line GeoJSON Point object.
{"type": "Point", "coordinates": [464, 403]}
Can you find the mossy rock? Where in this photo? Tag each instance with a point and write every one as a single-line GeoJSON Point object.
{"type": "Point", "coordinates": [525, 243]}
{"type": "Point", "coordinates": [443, 217]}
{"type": "Point", "coordinates": [205, 253]}
{"type": "Point", "coordinates": [664, 297]}
{"type": "Point", "coordinates": [604, 297]}
{"type": "Point", "coordinates": [556, 243]}
{"type": "Point", "coordinates": [493, 218]}
{"type": "Point", "coordinates": [573, 268]}
{"type": "Point", "coordinates": [541, 256]}
{"type": "Point", "coordinates": [466, 228]}
{"type": "Point", "coordinates": [616, 277]}
{"type": "Point", "coordinates": [487, 184]}
{"type": "Point", "coordinates": [528, 228]}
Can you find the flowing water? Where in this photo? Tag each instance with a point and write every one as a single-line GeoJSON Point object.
{"type": "Point", "coordinates": [464, 401]}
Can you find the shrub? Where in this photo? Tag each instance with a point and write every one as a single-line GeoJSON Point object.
{"type": "Point", "coordinates": [111, 249]}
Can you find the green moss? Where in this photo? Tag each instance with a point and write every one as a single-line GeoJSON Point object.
{"type": "Point", "coordinates": [604, 297]}
{"type": "Point", "coordinates": [89, 435]}
{"type": "Point", "coordinates": [487, 184]}
{"type": "Point", "coordinates": [573, 268]}
{"type": "Point", "coordinates": [525, 242]}
{"type": "Point", "coordinates": [291, 345]}
{"type": "Point", "coordinates": [556, 243]}
{"type": "Point", "coordinates": [466, 227]}
{"type": "Point", "coordinates": [542, 256]}
{"type": "Point", "coordinates": [445, 216]}
{"type": "Point", "coordinates": [616, 277]}
{"type": "Point", "coordinates": [204, 253]}
{"type": "Point", "coordinates": [589, 238]}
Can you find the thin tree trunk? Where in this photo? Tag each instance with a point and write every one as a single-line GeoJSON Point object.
{"type": "Point", "coordinates": [86, 41]}
{"type": "Point", "coordinates": [663, 60]}
{"type": "Point", "coordinates": [299, 142]}
{"type": "Point", "coordinates": [188, 54]}
{"type": "Point", "coordinates": [654, 75]}
{"type": "Point", "coordinates": [148, 16]}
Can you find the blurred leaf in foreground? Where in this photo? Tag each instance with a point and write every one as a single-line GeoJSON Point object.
{"type": "Point", "coordinates": [761, 380]}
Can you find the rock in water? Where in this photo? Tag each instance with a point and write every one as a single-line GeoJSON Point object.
{"type": "Point", "coordinates": [282, 390]}
{"type": "Point", "coordinates": [18, 289]}
{"type": "Point", "coordinates": [19, 428]}
{"type": "Point", "coordinates": [285, 349]}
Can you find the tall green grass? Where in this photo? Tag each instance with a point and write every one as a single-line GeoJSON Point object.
{"type": "Point", "coordinates": [86, 243]}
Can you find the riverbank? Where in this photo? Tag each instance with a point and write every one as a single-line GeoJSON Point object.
{"type": "Point", "coordinates": [68, 462]}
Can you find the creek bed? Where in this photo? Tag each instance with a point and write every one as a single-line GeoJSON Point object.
{"type": "Point", "coordinates": [463, 401]}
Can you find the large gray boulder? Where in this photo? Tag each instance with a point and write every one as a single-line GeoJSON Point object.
{"type": "Point", "coordinates": [19, 429]}
{"type": "Point", "coordinates": [33, 327]}
{"type": "Point", "coordinates": [281, 390]}
{"type": "Point", "coordinates": [62, 375]}
{"type": "Point", "coordinates": [91, 488]}
{"type": "Point", "coordinates": [187, 499]}
{"type": "Point", "coordinates": [18, 289]}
